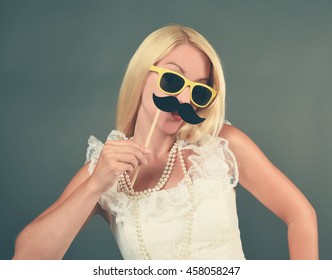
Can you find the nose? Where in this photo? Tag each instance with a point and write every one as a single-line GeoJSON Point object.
{"type": "Point", "coordinates": [184, 96]}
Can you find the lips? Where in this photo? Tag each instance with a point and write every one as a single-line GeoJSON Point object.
{"type": "Point", "coordinates": [176, 116]}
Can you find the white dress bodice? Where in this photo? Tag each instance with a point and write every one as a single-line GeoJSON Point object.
{"type": "Point", "coordinates": [163, 214]}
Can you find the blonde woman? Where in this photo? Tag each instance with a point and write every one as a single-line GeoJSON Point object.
{"type": "Point", "coordinates": [182, 204]}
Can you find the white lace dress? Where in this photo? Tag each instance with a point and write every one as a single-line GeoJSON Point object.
{"type": "Point", "coordinates": [163, 214]}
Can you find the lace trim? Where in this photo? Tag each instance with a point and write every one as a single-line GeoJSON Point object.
{"type": "Point", "coordinates": [93, 151]}
{"type": "Point", "coordinates": [95, 147]}
{"type": "Point", "coordinates": [212, 162]}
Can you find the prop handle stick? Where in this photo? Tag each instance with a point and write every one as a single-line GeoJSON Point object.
{"type": "Point", "coordinates": [147, 142]}
{"type": "Point", "coordinates": [148, 139]}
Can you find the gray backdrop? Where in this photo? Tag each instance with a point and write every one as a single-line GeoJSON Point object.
{"type": "Point", "coordinates": [61, 65]}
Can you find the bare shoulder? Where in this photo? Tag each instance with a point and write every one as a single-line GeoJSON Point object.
{"type": "Point", "coordinates": [243, 147]}
{"type": "Point", "coordinates": [255, 169]}
{"type": "Point", "coordinates": [235, 137]}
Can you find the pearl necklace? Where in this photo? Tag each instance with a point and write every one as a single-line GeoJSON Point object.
{"type": "Point", "coordinates": [125, 186]}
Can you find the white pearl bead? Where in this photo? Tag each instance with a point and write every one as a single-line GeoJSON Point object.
{"type": "Point", "coordinates": [126, 186]}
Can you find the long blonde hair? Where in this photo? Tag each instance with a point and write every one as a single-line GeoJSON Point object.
{"type": "Point", "coordinates": [155, 47]}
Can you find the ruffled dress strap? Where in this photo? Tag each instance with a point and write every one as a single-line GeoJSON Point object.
{"type": "Point", "coordinates": [213, 159]}
{"type": "Point", "coordinates": [231, 160]}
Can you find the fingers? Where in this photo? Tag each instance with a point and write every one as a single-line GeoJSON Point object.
{"type": "Point", "coordinates": [124, 167]}
{"type": "Point", "coordinates": [128, 159]}
{"type": "Point", "coordinates": [116, 157]}
{"type": "Point", "coordinates": [127, 152]}
{"type": "Point", "coordinates": [126, 143]}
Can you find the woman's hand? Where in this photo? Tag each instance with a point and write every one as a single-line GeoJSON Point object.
{"type": "Point", "coordinates": [115, 158]}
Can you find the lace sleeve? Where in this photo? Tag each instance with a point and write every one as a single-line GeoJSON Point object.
{"type": "Point", "coordinates": [213, 161]}
{"type": "Point", "coordinates": [95, 147]}
{"type": "Point", "coordinates": [230, 159]}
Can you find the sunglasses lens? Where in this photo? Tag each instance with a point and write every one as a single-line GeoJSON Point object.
{"type": "Point", "coordinates": [171, 83]}
{"type": "Point", "coordinates": [201, 95]}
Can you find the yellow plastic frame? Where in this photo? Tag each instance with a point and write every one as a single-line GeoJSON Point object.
{"type": "Point", "coordinates": [187, 82]}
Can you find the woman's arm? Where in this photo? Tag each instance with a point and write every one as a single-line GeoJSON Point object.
{"type": "Point", "coordinates": [273, 189]}
{"type": "Point", "coordinates": [51, 233]}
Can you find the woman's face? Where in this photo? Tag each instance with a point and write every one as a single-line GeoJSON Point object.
{"type": "Point", "coordinates": [186, 60]}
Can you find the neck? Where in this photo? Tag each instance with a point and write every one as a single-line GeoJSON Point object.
{"type": "Point", "coordinates": [160, 143]}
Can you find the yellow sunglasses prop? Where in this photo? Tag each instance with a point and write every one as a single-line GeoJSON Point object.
{"type": "Point", "coordinates": [173, 83]}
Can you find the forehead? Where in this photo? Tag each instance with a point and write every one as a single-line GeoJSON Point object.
{"type": "Point", "coordinates": [192, 61]}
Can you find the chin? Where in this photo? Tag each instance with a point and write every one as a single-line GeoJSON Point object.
{"type": "Point", "coordinates": [170, 128]}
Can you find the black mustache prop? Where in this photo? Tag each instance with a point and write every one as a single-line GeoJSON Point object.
{"type": "Point", "coordinates": [171, 104]}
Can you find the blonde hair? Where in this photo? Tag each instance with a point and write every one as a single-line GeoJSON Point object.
{"type": "Point", "coordinates": [155, 47]}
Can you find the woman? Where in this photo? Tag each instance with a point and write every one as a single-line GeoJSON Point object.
{"type": "Point", "coordinates": [189, 212]}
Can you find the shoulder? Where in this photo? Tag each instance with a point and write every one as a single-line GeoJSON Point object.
{"type": "Point", "coordinates": [234, 136]}
{"type": "Point", "coordinates": [240, 144]}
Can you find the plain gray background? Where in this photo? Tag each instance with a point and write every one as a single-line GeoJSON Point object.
{"type": "Point", "coordinates": [61, 65]}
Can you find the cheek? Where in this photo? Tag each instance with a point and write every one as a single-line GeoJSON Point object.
{"type": "Point", "coordinates": [150, 87]}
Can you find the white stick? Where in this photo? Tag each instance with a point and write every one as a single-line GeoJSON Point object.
{"type": "Point", "coordinates": [147, 142]}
